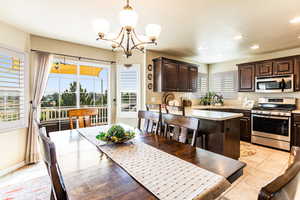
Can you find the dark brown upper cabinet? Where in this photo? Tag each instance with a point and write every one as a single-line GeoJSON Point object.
{"type": "Point", "coordinates": [170, 72]}
{"type": "Point", "coordinates": [174, 76]}
{"type": "Point", "coordinates": [264, 69]}
{"type": "Point", "coordinates": [273, 67]}
{"type": "Point", "coordinates": [183, 79]}
{"type": "Point", "coordinates": [246, 73]}
{"type": "Point", "coordinates": [283, 66]}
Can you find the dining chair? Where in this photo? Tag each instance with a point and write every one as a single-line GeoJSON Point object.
{"type": "Point", "coordinates": [58, 190]}
{"type": "Point", "coordinates": [286, 186]}
{"type": "Point", "coordinates": [181, 126]}
{"type": "Point", "coordinates": [175, 109]}
{"type": "Point", "coordinates": [83, 116]}
{"type": "Point", "coordinates": [152, 121]}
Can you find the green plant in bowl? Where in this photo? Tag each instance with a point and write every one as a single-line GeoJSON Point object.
{"type": "Point", "coordinates": [116, 134]}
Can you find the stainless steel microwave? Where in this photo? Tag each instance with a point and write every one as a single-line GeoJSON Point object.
{"type": "Point", "coordinates": [275, 84]}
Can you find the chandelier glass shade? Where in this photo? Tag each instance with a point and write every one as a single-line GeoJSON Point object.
{"type": "Point", "coordinates": [127, 39]}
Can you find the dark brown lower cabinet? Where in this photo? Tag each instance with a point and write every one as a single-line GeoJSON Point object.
{"type": "Point", "coordinates": [245, 124]}
{"type": "Point", "coordinates": [296, 130]}
{"type": "Point", "coordinates": [296, 134]}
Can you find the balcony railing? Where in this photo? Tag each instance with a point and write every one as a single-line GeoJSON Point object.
{"type": "Point", "coordinates": [49, 114]}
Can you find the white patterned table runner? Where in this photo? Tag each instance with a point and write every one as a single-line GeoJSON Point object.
{"type": "Point", "coordinates": [164, 175]}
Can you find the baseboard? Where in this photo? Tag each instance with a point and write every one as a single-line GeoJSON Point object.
{"type": "Point", "coordinates": [11, 169]}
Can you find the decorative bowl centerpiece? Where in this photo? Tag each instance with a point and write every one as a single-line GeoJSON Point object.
{"type": "Point", "coordinates": [116, 134]}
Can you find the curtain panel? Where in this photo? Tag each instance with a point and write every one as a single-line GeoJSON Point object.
{"type": "Point", "coordinates": [41, 63]}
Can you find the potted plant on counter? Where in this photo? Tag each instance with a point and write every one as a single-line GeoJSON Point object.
{"type": "Point", "coordinates": [211, 98]}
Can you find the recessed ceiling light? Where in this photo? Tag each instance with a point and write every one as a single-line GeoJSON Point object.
{"type": "Point", "coordinates": [238, 37]}
{"type": "Point", "coordinates": [299, 37]}
{"type": "Point", "coordinates": [295, 20]}
{"type": "Point", "coordinates": [256, 46]}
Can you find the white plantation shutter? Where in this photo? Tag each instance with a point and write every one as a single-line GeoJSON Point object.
{"type": "Point", "coordinates": [128, 90]}
{"type": "Point", "coordinates": [225, 83]}
{"type": "Point", "coordinates": [12, 89]}
{"type": "Point", "coordinates": [202, 85]}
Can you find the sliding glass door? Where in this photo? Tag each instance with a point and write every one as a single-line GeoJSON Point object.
{"type": "Point", "coordinates": [76, 84]}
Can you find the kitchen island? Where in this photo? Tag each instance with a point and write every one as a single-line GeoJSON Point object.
{"type": "Point", "coordinates": [221, 131]}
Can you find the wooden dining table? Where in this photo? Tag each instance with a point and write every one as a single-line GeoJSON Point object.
{"type": "Point", "coordinates": [90, 175]}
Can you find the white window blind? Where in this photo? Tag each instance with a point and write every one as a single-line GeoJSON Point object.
{"type": "Point", "coordinates": [224, 83]}
{"type": "Point", "coordinates": [202, 85]}
{"type": "Point", "coordinates": [128, 90]}
{"type": "Point", "coordinates": [12, 89]}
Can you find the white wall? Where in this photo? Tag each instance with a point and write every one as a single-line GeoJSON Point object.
{"type": "Point", "coordinates": [229, 66]}
{"type": "Point", "coordinates": [12, 144]}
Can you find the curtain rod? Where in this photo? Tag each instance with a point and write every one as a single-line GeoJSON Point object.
{"type": "Point", "coordinates": [79, 57]}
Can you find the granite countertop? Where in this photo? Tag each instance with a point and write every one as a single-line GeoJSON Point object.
{"type": "Point", "coordinates": [296, 111]}
{"type": "Point", "coordinates": [221, 107]}
{"type": "Point", "coordinates": [214, 115]}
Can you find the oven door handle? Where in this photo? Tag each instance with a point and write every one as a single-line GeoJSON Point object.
{"type": "Point", "coordinates": [271, 117]}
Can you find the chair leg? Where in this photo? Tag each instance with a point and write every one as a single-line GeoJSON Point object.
{"type": "Point", "coordinates": [52, 195]}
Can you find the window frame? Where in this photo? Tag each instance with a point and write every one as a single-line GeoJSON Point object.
{"type": "Point", "coordinates": [23, 122]}
{"type": "Point", "coordinates": [122, 114]}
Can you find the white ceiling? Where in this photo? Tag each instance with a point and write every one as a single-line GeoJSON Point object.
{"type": "Point", "coordinates": [186, 24]}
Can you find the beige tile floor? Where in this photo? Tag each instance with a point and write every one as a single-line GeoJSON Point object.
{"type": "Point", "coordinates": [261, 168]}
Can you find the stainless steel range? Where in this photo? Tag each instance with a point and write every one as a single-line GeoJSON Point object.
{"type": "Point", "coordinates": [271, 122]}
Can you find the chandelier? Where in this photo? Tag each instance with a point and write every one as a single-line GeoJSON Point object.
{"type": "Point", "coordinates": [127, 39]}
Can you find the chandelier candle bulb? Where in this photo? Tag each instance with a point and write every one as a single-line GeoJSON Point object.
{"type": "Point", "coordinates": [153, 31]}
{"type": "Point", "coordinates": [128, 18]}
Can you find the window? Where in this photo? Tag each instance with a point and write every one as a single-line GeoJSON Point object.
{"type": "Point", "coordinates": [128, 90]}
{"type": "Point", "coordinates": [202, 85]}
{"type": "Point", "coordinates": [76, 84]}
{"type": "Point", "coordinates": [225, 83]}
{"type": "Point", "coordinates": [13, 77]}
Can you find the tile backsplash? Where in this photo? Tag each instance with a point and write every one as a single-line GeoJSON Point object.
{"type": "Point", "coordinates": [254, 96]}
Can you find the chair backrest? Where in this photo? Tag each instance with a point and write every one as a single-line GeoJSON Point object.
{"type": "Point", "coordinates": [152, 121]}
{"type": "Point", "coordinates": [49, 156]}
{"type": "Point", "coordinates": [181, 124]}
{"type": "Point", "coordinates": [83, 116]}
{"type": "Point", "coordinates": [175, 110]}
{"type": "Point", "coordinates": [286, 186]}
